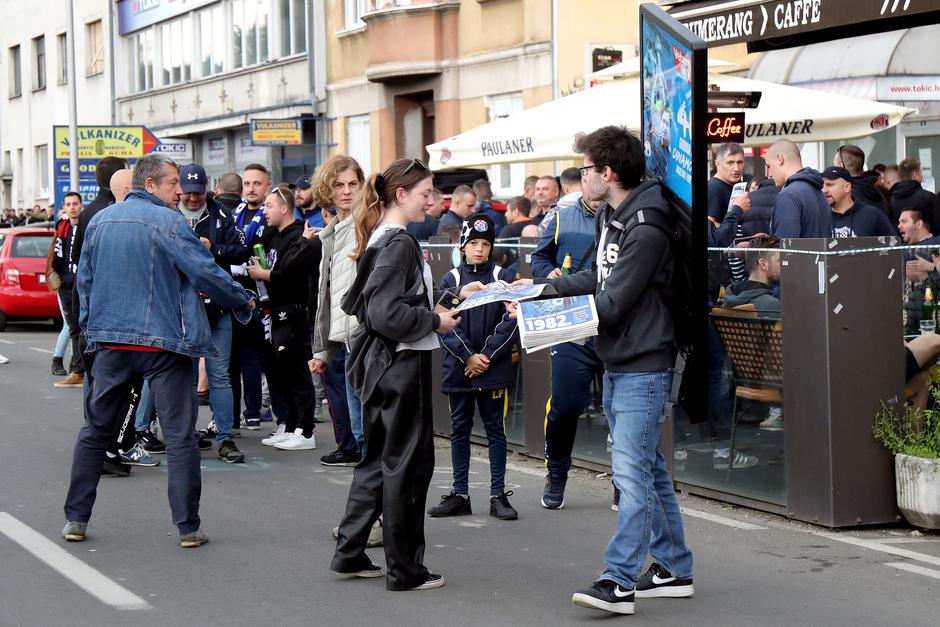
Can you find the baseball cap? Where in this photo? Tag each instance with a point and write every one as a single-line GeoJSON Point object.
{"type": "Point", "coordinates": [193, 179]}
{"type": "Point", "coordinates": [834, 172]}
{"type": "Point", "coordinates": [479, 226]}
{"type": "Point", "coordinates": [301, 183]}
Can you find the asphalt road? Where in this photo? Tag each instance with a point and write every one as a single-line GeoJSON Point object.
{"type": "Point", "coordinates": [270, 519]}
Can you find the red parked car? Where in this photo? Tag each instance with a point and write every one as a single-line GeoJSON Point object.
{"type": "Point", "coordinates": [23, 291]}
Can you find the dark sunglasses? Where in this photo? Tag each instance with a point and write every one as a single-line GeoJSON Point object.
{"type": "Point", "coordinates": [414, 162]}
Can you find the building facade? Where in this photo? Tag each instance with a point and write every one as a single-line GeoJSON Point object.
{"type": "Point", "coordinates": [196, 72]}
{"type": "Point", "coordinates": [33, 65]}
{"type": "Point", "coordinates": [405, 73]}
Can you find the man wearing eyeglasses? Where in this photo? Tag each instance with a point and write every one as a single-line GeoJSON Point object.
{"type": "Point", "coordinates": [218, 233]}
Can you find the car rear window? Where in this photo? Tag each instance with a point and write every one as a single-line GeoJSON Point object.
{"type": "Point", "coordinates": [31, 245]}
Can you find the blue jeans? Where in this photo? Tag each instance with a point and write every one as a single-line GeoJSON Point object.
{"type": "Point", "coordinates": [355, 415]}
{"type": "Point", "coordinates": [335, 383]}
{"type": "Point", "coordinates": [146, 411]}
{"type": "Point", "coordinates": [633, 402]}
{"type": "Point", "coordinates": [106, 391]}
{"type": "Point", "coordinates": [62, 341]}
{"type": "Point", "coordinates": [493, 404]}
{"type": "Point", "coordinates": [221, 401]}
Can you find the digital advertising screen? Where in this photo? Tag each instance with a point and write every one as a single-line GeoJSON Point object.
{"type": "Point", "coordinates": [670, 109]}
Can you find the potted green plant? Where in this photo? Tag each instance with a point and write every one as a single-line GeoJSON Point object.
{"type": "Point", "coordinates": [913, 437]}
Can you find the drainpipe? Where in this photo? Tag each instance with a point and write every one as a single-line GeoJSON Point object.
{"type": "Point", "coordinates": [113, 40]}
{"type": "Point", "coordinates": [555, 91]}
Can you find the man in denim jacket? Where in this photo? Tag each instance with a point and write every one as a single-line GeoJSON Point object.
{"type": "Point", "coordinates": [139, 282]}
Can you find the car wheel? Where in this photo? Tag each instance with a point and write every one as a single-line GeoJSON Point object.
{"type": "Point", "coordinates": [3, 321]}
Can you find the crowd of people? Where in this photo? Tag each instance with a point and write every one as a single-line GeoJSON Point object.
{"type": "Point", "coordinates": [273, 287]}
{"type": "Point", "coordinates": [792, 201]}
{"type": "Point", "coordinates": [24, 217]}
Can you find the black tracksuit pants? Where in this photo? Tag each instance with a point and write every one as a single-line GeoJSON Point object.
{"type": "Point", "coordinates": [291, 379]}
{"type": "Point", "coordinates": [394, 476]}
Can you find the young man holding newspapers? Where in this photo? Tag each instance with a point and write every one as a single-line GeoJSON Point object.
{"type": "Point", "coordinates": [633, 267]}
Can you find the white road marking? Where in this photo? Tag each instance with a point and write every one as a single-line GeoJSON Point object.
{"type": "Point", "coordinates": [878, 546]}
{"type": "Point", "coordinates": [914, 568]}
{"type": "Point", "coordinates": [721, 520]}
{"type": "Point", "coordinates": [78, 572]}
{"type": "Point", "coordinates": [906, 540]}
{"type": "Point", "coordinates": [42, 350]}
{"type": "Point", "coordinates": [2, 341]}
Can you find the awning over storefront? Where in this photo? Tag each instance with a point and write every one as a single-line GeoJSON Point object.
{"type": "Point", "coordinates": [889, 67]}
{"type": "Point", "coordinates": [547, 132]}
{"type": "Point", "coordinates": [775, 24]}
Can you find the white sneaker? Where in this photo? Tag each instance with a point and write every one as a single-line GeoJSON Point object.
{"type": "Point", "coordinates": [277, 436]}
{"type": "Point", "coordinates": [774, 421]}
{"type": "Point", "coordinates": [721, 459]}
{"type": "Point", "coordinates": [4, 360]}
{"type": "Point", "coordinates": [297, 442]}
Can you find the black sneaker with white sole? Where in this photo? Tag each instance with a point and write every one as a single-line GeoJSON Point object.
{"type": "Point", "coordinates": [607, 596]}
{"type": "Point", "coordinates": [372, 570]}
{"type": "Point", "coordinates": [433, 581]}
{"type": "Point", "coordinates": [339, 458]}
{"type": "Point", "coordinates": [659, 583]}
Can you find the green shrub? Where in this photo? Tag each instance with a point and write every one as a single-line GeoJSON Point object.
{"type": "Point", "coordinates": [913, 432]}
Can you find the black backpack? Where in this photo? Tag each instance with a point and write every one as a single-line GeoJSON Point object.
{"type": "Point", "coordinates": [687, 300]}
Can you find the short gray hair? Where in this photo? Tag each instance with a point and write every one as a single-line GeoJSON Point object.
{"type": "Point", "coordinates": [730, 148]}
{"type": "Point", "coordinates": [150, 167]}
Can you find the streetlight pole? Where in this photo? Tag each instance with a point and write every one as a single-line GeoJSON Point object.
{"type": "Point", "coordinates": [73, 100]}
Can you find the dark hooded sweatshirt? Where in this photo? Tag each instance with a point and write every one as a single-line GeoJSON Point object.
{"type": "Point", "coordinates": [628, 278]}
{"type": "Point", "coordinates": [910, 195]}
{"type": "Point", "coordinates": [864, 192]}
{"type": "Point", "coordinates": [756, 293]}
{"type": "Point", "coordinates": [861, 221]}
{"type": "Point", "coordinates": [801, 209]}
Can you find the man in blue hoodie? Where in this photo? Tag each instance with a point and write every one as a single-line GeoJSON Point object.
{"type": "Point", "coordinates": [477, 370]}
{"type": "Point", "coordinates": [801, 209]}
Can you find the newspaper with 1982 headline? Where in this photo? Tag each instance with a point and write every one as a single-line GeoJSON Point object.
{"type": "Point", "coordinates": [553, 321]}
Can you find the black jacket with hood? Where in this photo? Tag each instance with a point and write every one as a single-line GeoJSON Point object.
{"type": "Point", "coordinates": [861, 220]}
{"type": "Point", "coordinates": [910, 195]}
{"type": "Point", "coordinates": [865, 192]}
{"type": "Point", "coordinates": [628, 278]}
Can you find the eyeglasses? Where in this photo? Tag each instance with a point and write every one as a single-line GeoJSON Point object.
{"type": "Point", "coordinates": [585, 170]}
{"type": "Point", "coordinates": [414, 162]}
{"type": "Point", "coordinates": [281, 194]}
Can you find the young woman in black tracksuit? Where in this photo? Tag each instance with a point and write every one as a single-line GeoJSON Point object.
{"type": "Point", "coordinates": [389, 365]}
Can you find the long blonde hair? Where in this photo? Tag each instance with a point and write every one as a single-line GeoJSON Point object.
{"type": "Point", "coordinates": [378, 191]}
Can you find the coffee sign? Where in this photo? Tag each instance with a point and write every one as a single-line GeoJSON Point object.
{"type": "Point", "coordinates": [721, 128]}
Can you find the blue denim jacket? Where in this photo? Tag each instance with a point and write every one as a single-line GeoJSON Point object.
{"type": "Point", "coordinates": [140, 276]}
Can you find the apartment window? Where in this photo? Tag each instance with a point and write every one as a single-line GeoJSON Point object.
{"type": "Point", "coordinates": [251, 21]}
{"type": "Point", "coordinates": [39, 63]}
{"type": "Point", "coordinates": [144, 54]}
{"type": "Point", "coordinates": [62, 52]}
{"type": "Point", "coordinates": [354, 10]}
{"type": "Point", "coordinates": [293, 26]}
{"type": "Point", "coordinates": [359, 141]}
{"type": "Point", "coordinates": [212, 29]}
{"type": "Point", "coordinates": [507, 179]}
{"type": "Point", "coordinates": [42, 169]}
{"type": "Point", "coordinates": [94, 48]}
{"type": "Point", "coordinates": [175, 51]}
{"type": "Point", "coordinates": [16, 86]}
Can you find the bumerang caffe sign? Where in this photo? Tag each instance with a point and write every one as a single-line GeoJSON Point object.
{"type": "Point", "coordinates": [770, 24]}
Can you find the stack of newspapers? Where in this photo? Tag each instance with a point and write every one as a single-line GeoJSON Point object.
{"type": "Point", "coordinates": [554, 321]}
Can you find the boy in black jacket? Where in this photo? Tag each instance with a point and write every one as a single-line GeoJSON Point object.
{"type": "Point", "coordinates": [477, 370]}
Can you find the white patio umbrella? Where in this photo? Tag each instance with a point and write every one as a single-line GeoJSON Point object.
{"type": "Point", "coordinates": [547, 132]}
